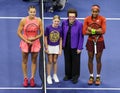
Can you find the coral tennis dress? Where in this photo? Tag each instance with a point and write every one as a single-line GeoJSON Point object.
{"type": "Point", "coordinates": [31, 28]}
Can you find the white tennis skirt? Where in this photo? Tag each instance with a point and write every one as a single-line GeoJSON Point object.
{"type": "Point", "coordinates": [53, 49]}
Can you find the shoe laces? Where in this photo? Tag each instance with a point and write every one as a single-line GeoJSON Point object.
{"type": "Point", "coordinates": [91, 78]}
{"type": "Point", "coordinates": [55, 77]}
{"type": "Point", "coordinates": [25, 79]}
{"type": "Point", "coordinates": [32, 80]}
{"type": "Point", "coordinates": [97, 78]}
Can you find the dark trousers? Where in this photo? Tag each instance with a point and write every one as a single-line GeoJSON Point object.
{"type": "Point", "coordinates": [72, 63]}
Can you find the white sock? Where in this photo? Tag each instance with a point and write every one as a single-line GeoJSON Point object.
{"type": "Point", "coordinates": [98, 75]}
{"type": "Point", "coordinates": [91, 75]}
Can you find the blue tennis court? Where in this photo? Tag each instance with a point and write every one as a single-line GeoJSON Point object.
{"type": "Point", "coordinates": [11, 77]}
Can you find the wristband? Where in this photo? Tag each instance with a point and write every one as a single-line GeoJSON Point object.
{"type": "Point", "coordinates": [93, 31]}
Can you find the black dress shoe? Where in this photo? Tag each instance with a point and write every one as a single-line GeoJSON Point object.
{"type": "Point", "coordinates": [74, 80]}
{"type": "Point", "coordinates": [66, 78]}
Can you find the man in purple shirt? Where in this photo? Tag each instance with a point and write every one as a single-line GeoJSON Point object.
{"type": "Point", "coordinates": [72, 45]}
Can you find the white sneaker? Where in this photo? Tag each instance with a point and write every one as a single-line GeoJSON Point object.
{"type": "Point", "coordinates": [49, 80]}
{"type": "Point", "coordinates": [55, 78]}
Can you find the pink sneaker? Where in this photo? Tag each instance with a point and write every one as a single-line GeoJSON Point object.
{"type": "Point", "coordinates": [32, 82]}
{"type": "Point", "coordinates": [25, 83]}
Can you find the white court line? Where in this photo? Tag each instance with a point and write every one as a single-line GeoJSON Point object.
{"type": "Point", "coordinates": [17, 88]}
{"type": "Point", "coordinates": [82, 18]}
{"type": "Point", "coordinates": [49, 18]}
{"type": "Point", "coordinates": [21, 88]}
{"type": "Point", "coordinates": [83, 88]}
{"type": "Point", "coordinates": [11, 17]}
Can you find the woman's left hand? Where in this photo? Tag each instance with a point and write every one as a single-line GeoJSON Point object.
{"type": "Point", "coordinates": [78, 51]}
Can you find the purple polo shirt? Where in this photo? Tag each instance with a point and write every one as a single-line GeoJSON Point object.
{"type": "Point", "coordinates": [77, 37]}
{"type": "Point", "coordinates": [53, 35]}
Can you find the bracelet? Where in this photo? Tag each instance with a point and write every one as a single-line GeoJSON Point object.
{"type": "Point", "coordinates": [93, 31]}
